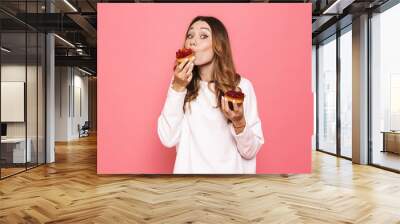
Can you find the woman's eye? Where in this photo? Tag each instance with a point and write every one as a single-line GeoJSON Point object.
{"type": "Point", "coordinates": [190, 36]}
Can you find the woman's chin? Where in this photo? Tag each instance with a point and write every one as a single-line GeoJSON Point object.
{"type": "Point", "coordinates": [198, 63]}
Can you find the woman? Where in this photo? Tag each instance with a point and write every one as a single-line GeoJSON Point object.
{"type": "Point", "coordinates": [208, 135]}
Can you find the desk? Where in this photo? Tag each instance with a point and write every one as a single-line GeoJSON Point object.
{"type": "Point", "coordinates": [391, 141]}
{"type": "Point", "coordinates": [15, 148]}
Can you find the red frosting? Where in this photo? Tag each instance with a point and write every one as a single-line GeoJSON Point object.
{"type": "Point", "coordinates": [184, 52]}
{"type": "Point", "coordinates": [235, 94]}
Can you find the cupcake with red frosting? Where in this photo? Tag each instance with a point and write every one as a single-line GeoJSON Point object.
{"type": "Point", "coordinates": [233, 96]}
{"type": "Point", "coordinates": [184, 53]}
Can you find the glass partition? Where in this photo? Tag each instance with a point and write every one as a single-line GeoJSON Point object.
{"type": "Point", "coordinates": [14, 153]}
{"type": "Point", "coordinates": [22, 101]}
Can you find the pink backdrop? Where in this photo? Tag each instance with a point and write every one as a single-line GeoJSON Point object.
{"type": "Point", "coordinates": [136, 51]}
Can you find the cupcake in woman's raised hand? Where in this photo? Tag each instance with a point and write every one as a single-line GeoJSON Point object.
{"type": "Point", "coordinates": [184, 53]}
{"type": "Point", "coordinates": [233, 96]}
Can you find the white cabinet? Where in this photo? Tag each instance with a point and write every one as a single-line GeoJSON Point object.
{"type": "Point", "coordinates": [17, 146]}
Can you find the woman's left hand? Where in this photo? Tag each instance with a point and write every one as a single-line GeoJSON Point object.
{"type": "Point", "coordinates": [236, 115]}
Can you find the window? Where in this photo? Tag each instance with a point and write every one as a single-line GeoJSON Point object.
{"type": "Point", "coordinates": [327, 95]}
{"type": "Point", "coordinates": [385, 88]}
{"type": "Point", "coordinates": [346, 92]}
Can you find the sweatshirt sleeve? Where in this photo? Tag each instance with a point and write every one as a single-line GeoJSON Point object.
{"type": "Point", "coordinates": [170, 120]}
{"type": "Point", "coordinates": [250, 140]}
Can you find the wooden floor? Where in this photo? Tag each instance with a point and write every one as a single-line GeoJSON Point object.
{"type": "Point", "coordinates": [69, 191]}
{"type": "Point", "coordinates": [5, 172]}
{"type": "Point", "coordinates": [8, 171]}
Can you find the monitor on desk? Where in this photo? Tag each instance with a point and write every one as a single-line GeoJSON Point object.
{"type": "Point", "coordinates": [3, 130]}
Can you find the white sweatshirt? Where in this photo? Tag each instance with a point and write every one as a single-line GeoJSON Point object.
{"type": "Point", "coordinates": [205, 142]}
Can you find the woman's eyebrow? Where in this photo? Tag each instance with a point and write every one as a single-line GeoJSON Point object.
{"type": "Point", "coordinates": [205, 28]}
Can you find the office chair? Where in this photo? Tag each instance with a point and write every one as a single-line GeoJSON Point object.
{"type": "Point", "coordinates": [84, 130]}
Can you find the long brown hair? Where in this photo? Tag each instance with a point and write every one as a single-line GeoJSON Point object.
{"type": "Point", "coordinates": [224, 74]}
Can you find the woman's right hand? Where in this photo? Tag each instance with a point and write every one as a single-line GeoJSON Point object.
{"type": "Point", "coordinates": [182, 75]}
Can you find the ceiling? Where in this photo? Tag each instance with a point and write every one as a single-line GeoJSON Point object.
{"type": "Point", "coordinates": [76, 22]}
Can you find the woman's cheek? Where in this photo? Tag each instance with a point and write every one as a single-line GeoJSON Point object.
{"type": "Point", "coordinates": [210, 55]}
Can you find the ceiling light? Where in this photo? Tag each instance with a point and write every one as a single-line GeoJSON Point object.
{"type": "Point", "coordinates": [84, 71]}
{"type": "Point", "coordinates": [5, 50]}
{"type": "Point", "coordinates": [64, 40]}
{"type": "Point", "coordinates": [338, 6]}
{"type": "Point", "coordinates": [70, 5]}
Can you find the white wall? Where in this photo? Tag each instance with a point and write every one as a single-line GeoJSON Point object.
{"type": "Point", "coordinates": [62, 78]}
{"type": "Point", "coordinates": [12, 73]}
{"type": "Point", "coordinates": [80, 84]}
{"type": "Point", "coordinates": [70, 83]}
